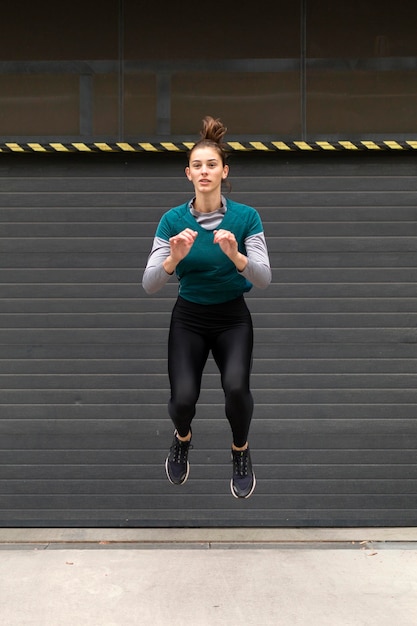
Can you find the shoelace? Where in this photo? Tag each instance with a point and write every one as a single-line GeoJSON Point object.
{"type": "Point", "coordinates": [180, 450]}
{"type": "Point", "coordinates": [240, 462]}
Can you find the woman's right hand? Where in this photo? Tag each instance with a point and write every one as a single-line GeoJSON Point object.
{"type": "Point", "coordinates": [180, 245]}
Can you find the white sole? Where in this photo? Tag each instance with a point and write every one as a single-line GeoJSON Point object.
{"type": "Point", "coordinates": [250, 492]}
{"type": "Point", "coordinates": [169, 478]}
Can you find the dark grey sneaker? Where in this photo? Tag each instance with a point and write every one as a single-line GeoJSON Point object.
{"type": "Point", "coordinates": [243, 481]}
{"type": "Point", "coordinates": [176, 464]}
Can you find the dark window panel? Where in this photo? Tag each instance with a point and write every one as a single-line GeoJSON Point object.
{"type": "Point", "coordinates": [247, 102]}
{"type": "Point", "coordinates": [361, 102]}
{"type": "Point", "coordinates": [65, 30]}
{"type": "Point", "coordinates": [265, 29]}
{"type": "Point", "coordinates": [361, 28]}
{"type": "Point", "coordinates": [34, 104]}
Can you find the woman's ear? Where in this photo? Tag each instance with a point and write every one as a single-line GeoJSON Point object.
{"type": "Point", "coordinates": [187, 173]}
{"type": "Point", "coordinates": [225, 172]}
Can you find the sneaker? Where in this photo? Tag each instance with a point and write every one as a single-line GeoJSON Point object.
{"type": "Point", "coordinates": [243, 481]}
{"type": "Point", "coordinates": [176, 464]}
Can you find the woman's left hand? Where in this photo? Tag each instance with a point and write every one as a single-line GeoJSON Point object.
{"type": "Point", "coordinates": [228, 244]}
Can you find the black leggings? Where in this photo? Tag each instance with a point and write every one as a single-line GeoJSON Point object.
{"type": "Point", "coordinates": [225, 329]}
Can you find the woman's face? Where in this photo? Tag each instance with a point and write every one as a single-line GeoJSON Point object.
{"type": "Point", "coordinates": [206, 170]}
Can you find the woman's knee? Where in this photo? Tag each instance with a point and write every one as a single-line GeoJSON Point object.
{"type": "Point", "coordinates": [236, 383]}
{"type": "Point", "coordinates": [183, 403]}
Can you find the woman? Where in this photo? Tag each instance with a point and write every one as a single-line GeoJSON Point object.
{"type": "Point", "coordinates": [217, 249]}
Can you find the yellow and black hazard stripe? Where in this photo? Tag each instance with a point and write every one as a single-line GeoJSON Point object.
{"type": "Point", "coordinates": [241, 146]}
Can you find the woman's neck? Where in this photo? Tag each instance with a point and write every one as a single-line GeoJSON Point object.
{"type": "Point", "coordinates": [207, 204]}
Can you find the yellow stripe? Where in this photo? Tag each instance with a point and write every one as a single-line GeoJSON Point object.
{"type": "Point", "coordinates": [37, 147]}
{"type": "Point", "coordinates": [280, 145]}
{"type": "Point", "coordinates": [348, 145]}
{"type": "Point", "coordinates": [59, 147]}
{"type": "Point", "coordinates": [258, 145]}
{"type": "Point", "coordinates": [104, 146]}
{"type": "Point", "coordinates": [126, 147]}
{"type": "Point", "coordinates": [303, 145]}
{"type": "Point", "coordinates": [236, 145]}
{"type": "Point", "coordinates": [325, 145]}
{"type": "Point", "coordinates": [170, 146]}
{"type": "Point", "coordinates": [412, 144]}
{"type": "Point", "coordinates": [15, 147]}
{"type": "Point", "coordinates": [82, 147]}
{"type": "Point", "coordinates": [189, 144]}
{"type": "Point", "coordinates": [371, 145]}
{"type": "Point", "coordinates": [393, 144]}
{"type": "Point", "coordinates": [148, 146]}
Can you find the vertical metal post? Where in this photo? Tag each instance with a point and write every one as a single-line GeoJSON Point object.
{"type": "Point", "coordinates": [86, 106]}
{"type": "Point", "coordinates": [121, 81]}
{"type": "Point", "coordinates": [303, 69]}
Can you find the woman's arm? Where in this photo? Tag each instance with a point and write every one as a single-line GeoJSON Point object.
{"type": "Point", "coordinates": [258, 268]}
{"type": "Point", "coordinates": [155, 276]}
{"type": "Point", "coordinates": [164, 258]}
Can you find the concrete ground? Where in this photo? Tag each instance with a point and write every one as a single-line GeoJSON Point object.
{"type": "Point", "coordinates": [208, 577]}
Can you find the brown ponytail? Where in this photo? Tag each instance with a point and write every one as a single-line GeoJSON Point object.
{"type": "Point", "coordinates": [212, 134]}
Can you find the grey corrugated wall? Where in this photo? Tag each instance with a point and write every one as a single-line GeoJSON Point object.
{"type": "Point", "coordinates": [83, 424]}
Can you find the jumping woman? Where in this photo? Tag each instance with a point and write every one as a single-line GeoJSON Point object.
{"type": "Point", "coordinates": [216, 248]}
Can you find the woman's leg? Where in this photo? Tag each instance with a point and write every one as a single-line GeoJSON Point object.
{"type": "Point", "coordinates": [232, 351]}
{"type": "Point", "coordinates": [187, 355]}
{"type": "Point", "coordinates": [233, 354]}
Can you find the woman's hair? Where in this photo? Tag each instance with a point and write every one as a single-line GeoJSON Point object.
{"type": "Point", "coordinates": [212, 134]}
